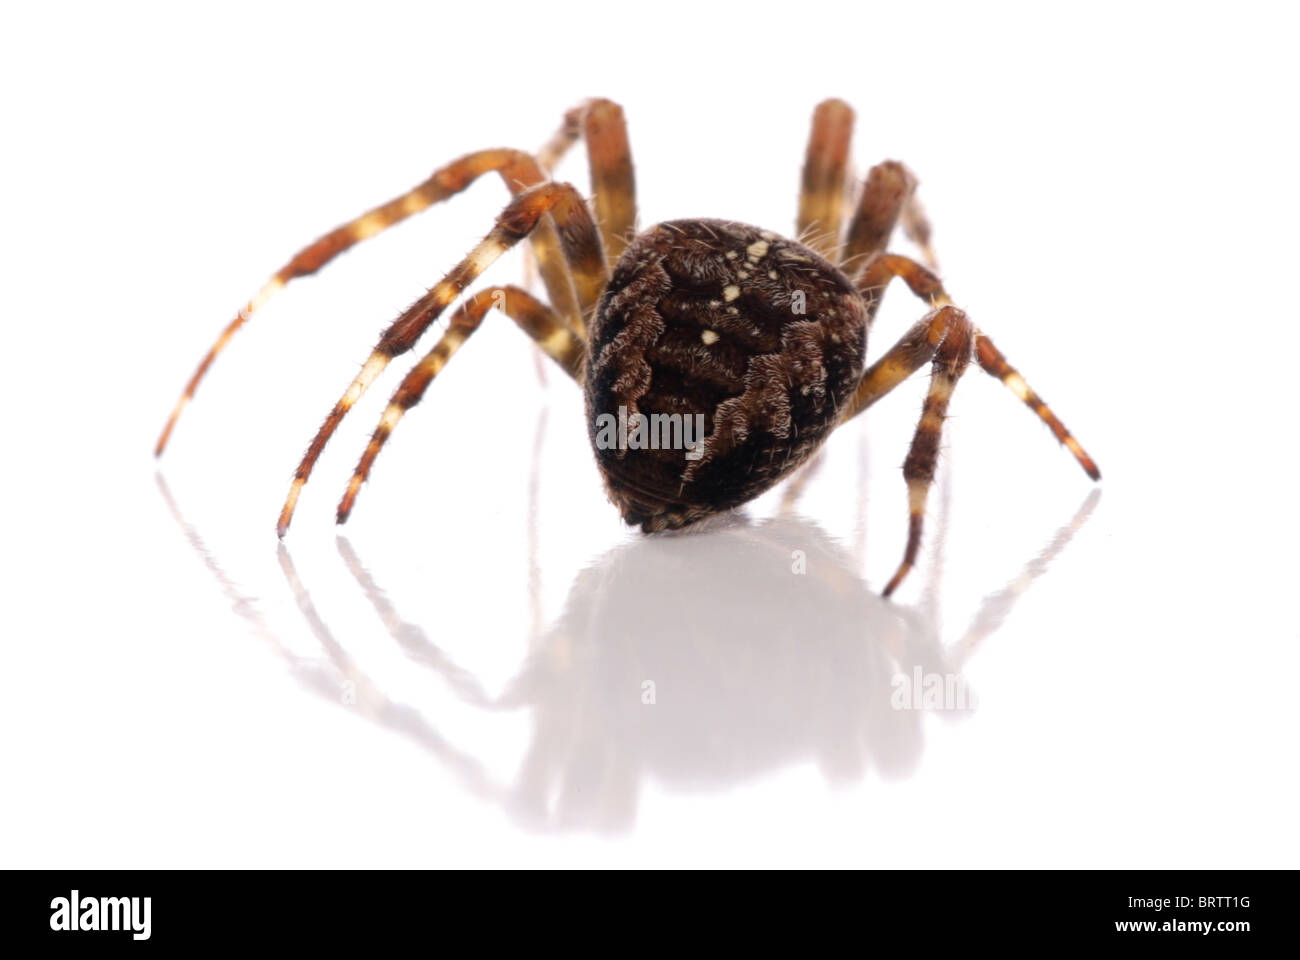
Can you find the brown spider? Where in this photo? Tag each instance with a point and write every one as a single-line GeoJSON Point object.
{"type": "Point", "coordinates": [759, 339]}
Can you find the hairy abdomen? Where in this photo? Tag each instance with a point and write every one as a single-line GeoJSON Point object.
{"type": "Point", "coordinates": [716, 325]}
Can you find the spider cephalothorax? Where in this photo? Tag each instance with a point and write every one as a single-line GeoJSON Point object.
{"type": "Point", "coordinates": [743, 349]}
{"type": "Point", "coordinates": [759, 336]}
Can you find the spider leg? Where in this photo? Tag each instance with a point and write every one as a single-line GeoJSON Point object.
{"type": "Point", "coordinates": [553, 150]}
{"type": "Point", "coordinates": [950, 360]}
{"type": "Point", "coordinates": [534, 317]}
{"type": "Point", "coordinates": [520, 218]}
{"type": "Point", "coordinates": [613, 183]}
{"type": "Point", "coordinates": [888, 197]}
{"type": "Point", "coordinates": [821, 201]}
{"type": "Point", "coordinates": [907, 356]}
{"type": "Point", "coordinates": [913, 350]}
{"type": "Point", "coordinates": [519, 171]}
{"type": "Point", "coordinates": [601, 124]}
{"type": "Point", "coordinates": [917, 227]}
{"type": "Point", "coordinates": [876, 274]}
{"type": "Point", "coordinates": [884, 197]}
{"type": "Point", "coordinates": [993, 363]}
{"type": "Point", "coordinates": [613, 180]}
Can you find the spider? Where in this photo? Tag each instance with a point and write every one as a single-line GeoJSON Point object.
{"type": "Point", "coordinates": [757, 338]}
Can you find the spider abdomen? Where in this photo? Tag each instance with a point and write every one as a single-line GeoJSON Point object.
{"type": "Point", "coordinates": [720, 357]}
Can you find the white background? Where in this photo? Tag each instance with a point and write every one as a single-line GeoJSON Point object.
{"type": "Point", "coordinates": [1114, 195]}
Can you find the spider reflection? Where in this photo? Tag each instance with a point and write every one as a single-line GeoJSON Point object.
{"type": "Point", "coordinates": [750, 668]}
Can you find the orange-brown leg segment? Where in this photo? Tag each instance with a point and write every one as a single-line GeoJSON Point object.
{"type": "Point", "coordinates": [548, 158]}
{"type": "Point", "coordinates": [995, 364]}
{"type": "Point", "coordinates": [933, 337]}
{"type": "Point", "coordinates": [613, 181]}
{"type": "Point", "coordinates": [609, 155]}
{"type": "Point", "coordinates": [821, 200]}
{"type": "Point", "coordinates": [893, 368]}
{"type": "Point", "coordinates": [884, 196]}
{"type": "Point", "coordinates": [913, 350]}
{"type": "Point", "coordinates": [888, 197]}
{"type": "Point", "coordinates": [917, 227]}
{"type": "Point", "coordinates": [581, 243]}
{"type": "Point", "coordinates": [950, 362]}
{"type": "Point", "coordinates": [553, 150]}
{"type": "Point", "coordinates": [519, 171]}
{"type": "Point", "coordinates": [876, 274]}
{"type": "Point", "coordinates": [534, 318]}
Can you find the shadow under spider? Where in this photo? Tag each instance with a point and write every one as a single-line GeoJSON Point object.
{"type": "Point", "coordinates": [751, 668]}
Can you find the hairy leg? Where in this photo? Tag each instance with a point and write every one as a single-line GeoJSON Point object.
{"type": "Point", "coordinates": [533, 317]}
{"type": "Point", "coordinates": [581, 243]}
{"type": "Point", "coordinates": [821, 200]}
{"type": "Point", "coordinates": [519, 171]}
{"type": "Point", "coordinates": [909, 353]}
{"type": "Point", "coordinates": [950, 360]}
{"type": "Point", "coordinates": [884, 196]}
{"type": "Point", "coordinates": [609, 155]}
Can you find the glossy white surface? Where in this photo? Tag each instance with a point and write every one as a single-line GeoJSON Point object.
{"type": "Point", "coordinates": [459, 677]}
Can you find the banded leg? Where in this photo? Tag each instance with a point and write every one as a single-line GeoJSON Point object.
{"type": "Point", "coordinates": [884, 198]}
{"type": "Point", "coordinates": [581, 244]}
{"type": "Point", "coordinates": [913, 351]}
{"type": "Point", "coordinates": [993, 363]}
{"type": "Point", "coordinates": [519, 171]}
{"type": "Point", "coordinates": [888, 197]}
{"type": "Point", "coordinates": [950, 360]}
{"type": "Point", "coordinates": [931, 337]}
{"type": "Point", "coordinates": [548, 157]}
{"type": "Point", "coordinates": [876, 274]}
{"type": "Point", "coordinates": [821, 201]}
{"type": "Point", "coordinates": [602, 136]}
{"type": "Point", "coordinates": [535, 318]}
{"type": "Point", "coordinates": [613, 180]}
{"type": "Point", "coordinates": [897, 365]}
{"type": "Point", "coordinates": [609, 155]}
{"type": "Point", "coordinates": [916, 347]}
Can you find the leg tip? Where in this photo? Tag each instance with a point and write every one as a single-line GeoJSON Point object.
{"type": "Point", "coordinates": [1089, 467]}
{"type": "Point", "coordinates": [290, 503]}
{"type": "Point", "coordinates": [895, 580]}
{"type": "Point", "coordinates": [1081, 455]}
{"type": "Point", "coordinates": [834, 105]}
{"type": "Point", "coordinates": [170, 425]}
{"type": "Point", "coordinates": [349, 499]}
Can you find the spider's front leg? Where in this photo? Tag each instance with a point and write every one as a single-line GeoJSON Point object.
{"type": "Point", "coordinates": [909, 353]}
{"type": "Point", "coordinates": [533, 317]}
{"type": "Point", "coordinates": [955, 333]}
{"type": "Point", "coordinates": [822, 191]}
{"type": "Point", "coordinates": [600, 122]}
{"type": "Point", "coordinates": [946, 335]}
{"type": "Point", "coordinates": [517, 169]}
{"type": "Point", "coordinates": [886, 197]}
{"type": "Point", "coordinates": [609, 155]}
{"type": "Point", "coordinates": [582, 248]}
